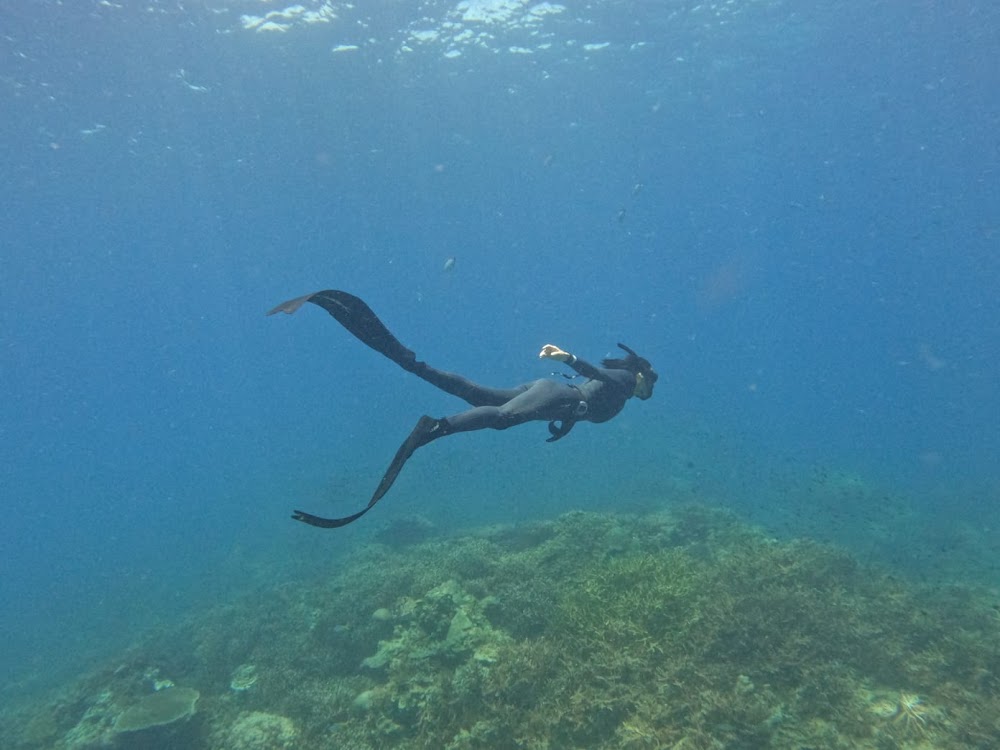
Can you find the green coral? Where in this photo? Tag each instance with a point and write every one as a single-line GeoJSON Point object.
{"type": "Point", "coordinates": [442, 646]}
{"type": "Point", "coordinates": [258, 730]}
{"type": "Point", "coordinates": [677, 630]}
{"type": "Point", "coordinates": [163, 707]}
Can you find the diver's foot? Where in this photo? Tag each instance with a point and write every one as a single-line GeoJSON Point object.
{"type": "Point", "coordinates": [427, 429]}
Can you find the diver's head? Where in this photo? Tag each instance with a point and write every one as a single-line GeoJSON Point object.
{"type": "Point", "coordinates": [645, 375]}
{"type": "Point", "coordinates": [644, 385]}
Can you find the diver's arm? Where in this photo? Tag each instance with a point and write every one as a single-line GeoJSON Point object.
{"type": "Point", "coordinates": [551, 351]}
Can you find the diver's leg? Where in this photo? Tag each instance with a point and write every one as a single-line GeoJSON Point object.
{"type": "Point", "coordinates": [472, 393]}
{"type": "Point", "coordinates": [429, 429]}
{"type": "Point", "coordinates": [545, 399]}
{"type": "Point", "coordinates": [542, 399]}
{"type": "Point", "coordinates": [355, 315]}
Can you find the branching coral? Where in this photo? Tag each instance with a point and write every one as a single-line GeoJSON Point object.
{"type": "Point", "coordinates": [686, 630]}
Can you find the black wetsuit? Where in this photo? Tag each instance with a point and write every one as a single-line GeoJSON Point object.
{"type": "Point", "coordinates": [562, 405]}
{"type": "Point", "coordinates": [598, 399]}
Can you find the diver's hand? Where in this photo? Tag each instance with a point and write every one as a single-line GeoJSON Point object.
{"type": "Point", "coordinates": [551, 351]}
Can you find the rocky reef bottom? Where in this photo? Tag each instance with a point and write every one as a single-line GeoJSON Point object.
{"type": "Point", "coordinates": [685, 630]}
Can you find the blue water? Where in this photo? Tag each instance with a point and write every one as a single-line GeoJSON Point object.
{"type": "Point", "coordinates": [791, 208]}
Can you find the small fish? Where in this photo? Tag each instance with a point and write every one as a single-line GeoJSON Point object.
{"type": "Point", "coordinates": [621, 216]}
{"type": "Point", "coordinates": [449, 264]}
{"type": "Point", "coordinates": [637, 188]}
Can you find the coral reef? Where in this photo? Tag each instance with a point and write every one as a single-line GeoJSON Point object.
{"type": "Point", "coordinates": [244, 677]}
{"type": "Point", "coordinates": [157, 709]}
{"type": "Point", "coordinates": [257, 730]}
{"type": "Point", "coordinates": [685, 629]}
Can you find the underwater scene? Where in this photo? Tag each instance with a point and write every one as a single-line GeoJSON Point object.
{"type": "Point", "coordinates": [444, 374]}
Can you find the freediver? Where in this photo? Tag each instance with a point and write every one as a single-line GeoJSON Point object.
{"type": "Point", "coordinates": [562, 405]}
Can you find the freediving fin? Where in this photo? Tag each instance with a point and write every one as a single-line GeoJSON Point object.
{"type": "Point", "coordinates": [327, 523]}
{"type": "Point", "coordinates": [427, 429]}
{"type": "Point", "coordinates": [355, 315]}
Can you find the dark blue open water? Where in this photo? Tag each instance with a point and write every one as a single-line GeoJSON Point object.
{"type": "Point", "coordinates": [791, 208]}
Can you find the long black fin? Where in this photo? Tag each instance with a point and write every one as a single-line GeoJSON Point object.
{"type": "Point", "coordinates": [421, 435]}
{"type": "Point", "coordinates": [355, 315]}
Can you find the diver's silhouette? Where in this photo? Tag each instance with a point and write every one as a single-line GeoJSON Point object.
{"type": "Point", "coordinates": [562, 405]}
